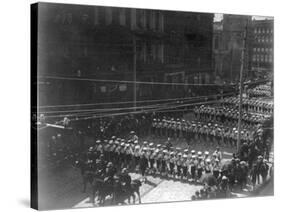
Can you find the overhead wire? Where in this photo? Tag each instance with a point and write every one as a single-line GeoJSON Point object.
{"type": "Point", "coordinates": [100, 110]}
{"type": "Point", "coordinates": [97, 110]}
{"type": "Point", "coordinates": [128, 81]}
{"type": "Point", "coordinates": [144, 111]}
{"type": "Point", "coordinates": [127, 102]}
{"type": "Point", "coordinates": [72, 78]}
{"type": "Point", "coordinates": [123, 113]}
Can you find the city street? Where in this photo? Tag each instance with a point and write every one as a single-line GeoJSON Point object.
{"type": "Point", "coordinates": [129, 90]}
{"type": "Point", "coordinates": [64, 190]}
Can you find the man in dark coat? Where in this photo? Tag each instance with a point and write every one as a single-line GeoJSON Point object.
{"type": "Point", "coordinates": [125, 180]}
{"type": "Point", "coordinates": [143, 166]}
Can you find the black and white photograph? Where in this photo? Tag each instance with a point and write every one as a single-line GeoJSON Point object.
{"type": "Point", "coordinates": [136, 106]}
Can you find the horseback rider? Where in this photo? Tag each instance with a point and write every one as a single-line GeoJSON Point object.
{"type": "Point", "coordinates": [125, 180]}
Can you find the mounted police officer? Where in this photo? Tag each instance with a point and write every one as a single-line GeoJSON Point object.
{"type": "Point", "coordinates": [125, 180]}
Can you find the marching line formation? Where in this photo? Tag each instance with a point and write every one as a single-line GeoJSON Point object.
{"type": "Point", "coordinates": [108, 160]}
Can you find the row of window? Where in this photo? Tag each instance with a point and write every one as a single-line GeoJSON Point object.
{"type": "Point", "coordinates": [263, 50]}
{"type": "Point", "coordinates": [150, 53]}
{"type": "Point", "coordinates": [133, 18]}
{"type": "Point", "coordinates": [264, 39]}
{"type": "Point", "coordinates": [263, 58]}
{"type": "Point", "coordinates": [263, 30]}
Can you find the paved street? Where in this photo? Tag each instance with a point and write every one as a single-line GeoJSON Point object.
{"type": "Point", "coordinates": [157, 190]}
{"type": "Point", "coordinates": [63, 190]}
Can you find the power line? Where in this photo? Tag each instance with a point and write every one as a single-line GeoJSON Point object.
{"type": "Point", "coordinates": [104, 110]}
{"type": "Point", "coordinates": [97, 110]}
{"type": "Point", "coordinates": [79, 113]}
{"type": "Point", "coordinates": [126, 81]}
{"type": "Point", "coordinates": [97, 115]}
{"type": "Point", "coordinates": [128, 102]}
{"type": "Point", "coordinates": [148, 110]}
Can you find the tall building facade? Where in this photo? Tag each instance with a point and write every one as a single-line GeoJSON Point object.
{"type": "Point", "coordinates": [220, 52]}
{"type": "Point", "coordinates": [261, 48]}
{"type": "Point", "coordinates": [234, 29]}
{"type": "Point", "coordinates": [228, 44]}
{"type": "Point", "coordinates": [106, 48]}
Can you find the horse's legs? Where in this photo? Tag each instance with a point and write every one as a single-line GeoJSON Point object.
{"type": "Point", "coordinates": [134, 198]}
{"type": "Point", "coordinates": [129, 198]}
{"type": "Point", "coordinates": [138, 192]}
{"type": "Point", "coordinates": [98, 196]}
{"type": "Point", "coordinates": [113, 201]}
{"type": "Point", "coordinates": [94, 197]}
{"type": "Point", "coordinates": [84, 185]}
{"type": "Point", "coordinates": [94, 194]}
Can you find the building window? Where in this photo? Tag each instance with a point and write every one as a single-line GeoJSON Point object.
{"type": "Point", "coordinates": [147, 19]}
{"type": "Point", "coordinates": [259, 30]}
{"type": "Point", "coordinates": [254, 49]}
{"type": "Point", "coordinates": [216, 42]}
{"type": "Point", "coordinates": [115, 16]}
{"type": "Point", "coordinates": [270, 58]}
{"type": "Point", "coordinates": [101, 15]}
{"type": "Point", "coordinates": [267, 31]}
{"type": "Point", "coordinates": [122, 17]}
{"type": "Point", "coordinates": [265, 58]}
{"type": "Point", "coordinates": [96, 16]}
{"type": "Point", "coordinates": [254, 57]}
{"type": "Point", "coordinates": [262, 58]}
{"type": "Point", "coordinates": [153, 21]}
{"type": "Point", "coordinates": [256, 30]}
{"type": "Point", "coordinates": [262, 49]}
{"type": "Point", "coordinates": [258, 49]}
{"type": "Point", "coordinates": [161, 22]}
{"type": "Point", "coordinates": [128, 17]}
{"type": "Point", "coordinates": [108, 16]}
{"type": "Point", "coordinates": [140, 19]}
{"type": "Point", "coordinates": [157, 20]}
{"type": "Point", "coordinates": [149, 52]}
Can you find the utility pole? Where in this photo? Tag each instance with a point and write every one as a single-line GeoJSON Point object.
{"type": "Point", "coordinates": [241, 86]}
{"type": "Point", "coordinates": [231, 64]}
{"type": "Point", "coordinates": [135, 71]}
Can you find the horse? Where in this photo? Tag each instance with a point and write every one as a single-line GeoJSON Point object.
{"type": "Point", "coordinates": [135, 189]}
{"type": "Point", "coordinates": [103, 188]}
{"type": "Point", "coordinates": [87, 173]}
{"type": "Point", "coordinates": [114, 188]}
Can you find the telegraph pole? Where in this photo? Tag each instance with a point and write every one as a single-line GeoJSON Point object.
{"type": "Point", "coordinates": [135, 71]}
{"type": "Point", "coordinates": [241, 86]}
{"type": "Point", "coordinates": [231, 63]}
